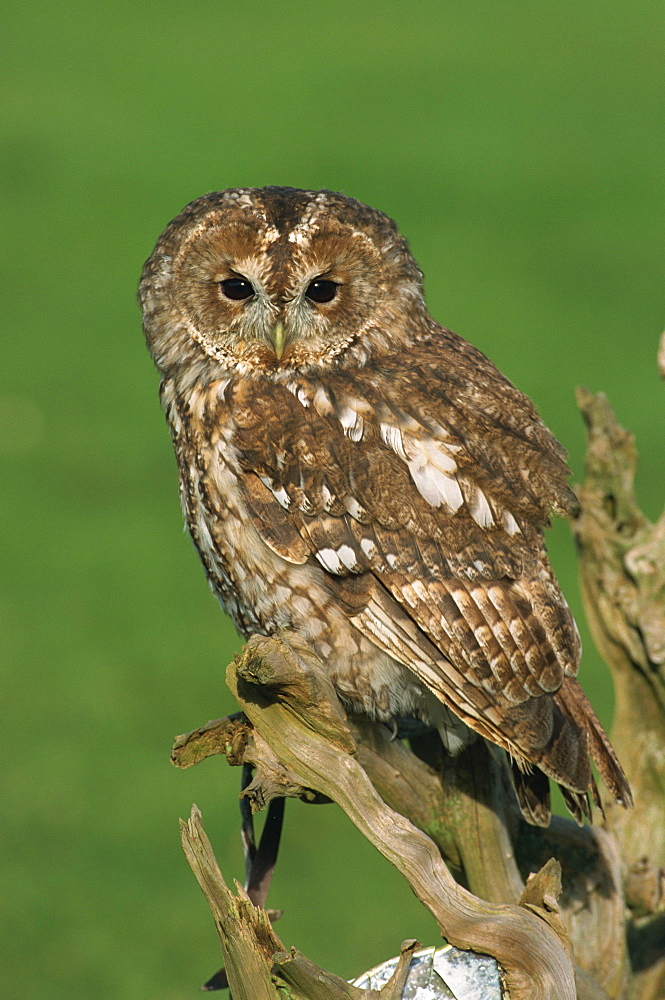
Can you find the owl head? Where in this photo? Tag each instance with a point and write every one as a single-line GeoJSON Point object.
{"type": "Point", "coordinates": [272, 279]}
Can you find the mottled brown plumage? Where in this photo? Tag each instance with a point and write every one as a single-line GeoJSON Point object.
{"type": "Point", "coordinates": [355, 472]}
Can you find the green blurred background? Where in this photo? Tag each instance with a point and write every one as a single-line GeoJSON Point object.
{"type": "Point", "coordinates": [517, 146]}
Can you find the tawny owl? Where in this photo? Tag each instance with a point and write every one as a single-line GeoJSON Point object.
{"type": "Point", "coordinates": [354, 472]}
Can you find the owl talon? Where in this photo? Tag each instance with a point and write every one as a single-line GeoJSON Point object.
{"type": "Point", "coordinates": [394, 729]}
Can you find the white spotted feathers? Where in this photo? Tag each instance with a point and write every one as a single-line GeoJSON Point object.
{"type": "Point", "coordinates": [428, 452]}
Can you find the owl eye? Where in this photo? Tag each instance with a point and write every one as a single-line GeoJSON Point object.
{"type": "Point", "coordinates": [322, 290]}
{"type": "Point", "coordinates": [237, 288]}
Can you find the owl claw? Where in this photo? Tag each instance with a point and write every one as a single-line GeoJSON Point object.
{"type": "Point", "coordinates": [394, 729]}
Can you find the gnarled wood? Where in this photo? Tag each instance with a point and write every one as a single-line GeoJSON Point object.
{"type": "Point", "coordinates": [533, 956]}
{"type": "Point", "coordinates": [294, 731]}
{"type": "Point", "coordinates": [246, 936]}
{"type": "Point", "coordinates": [622, 572]}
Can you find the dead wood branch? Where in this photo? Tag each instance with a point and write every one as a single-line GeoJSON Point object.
{"type": "Point", "coordinates": [434, 817]}
{"type": "Point", "coordinates": [622, 573]}
{"type": "Point", "coordinates": [300, 745]}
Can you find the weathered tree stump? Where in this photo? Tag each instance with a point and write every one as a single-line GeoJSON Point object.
{"type": "Point", "coordinates": [622, 572]}
{"type": "Point", "coordinates": [449, 825]}
{"type": "Point", "coordinates": [300, 744]}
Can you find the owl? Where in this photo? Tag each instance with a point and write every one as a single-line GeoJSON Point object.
{"type": "Point", "coordinates": [355, 473]}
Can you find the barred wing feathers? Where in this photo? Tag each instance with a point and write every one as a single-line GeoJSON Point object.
{"type": "Point", "coordinates": [438, 498]}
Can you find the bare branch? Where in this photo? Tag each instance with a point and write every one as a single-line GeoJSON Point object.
{"type": "Point", "coordinates": [424, 808]}
{"type": "Point", "coordinates": [533, 955]}
{"type": "Point", "coordinates": [247, 939]}
{"type": "Point", "coordinates": [622, 572]}
{"type": "Point", "coordinates": [622, 568]}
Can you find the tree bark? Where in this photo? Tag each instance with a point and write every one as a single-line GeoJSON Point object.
{"type": "Point", "coordinates": [622, 573]}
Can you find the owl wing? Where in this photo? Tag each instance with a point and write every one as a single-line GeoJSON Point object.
{"type": "Point", "coordinates": [433, 487]}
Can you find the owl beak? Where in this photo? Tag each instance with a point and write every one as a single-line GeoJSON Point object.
{"type": "Point", "coordinates": [279, 340]}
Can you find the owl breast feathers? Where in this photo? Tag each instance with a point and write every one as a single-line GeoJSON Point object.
{"type": "Point", "coordinates": [354, 472]}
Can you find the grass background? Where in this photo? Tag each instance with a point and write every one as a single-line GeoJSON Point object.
{"type": "Point", "coordinates": [518, 147]}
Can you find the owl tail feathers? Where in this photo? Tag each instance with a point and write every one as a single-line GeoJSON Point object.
{"type": "Point", "coordinates": [575, 735]}
{"type": "Point", "coordinates": [532, 789]}
{"type": "Point", "coordinates": [576, 706]}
